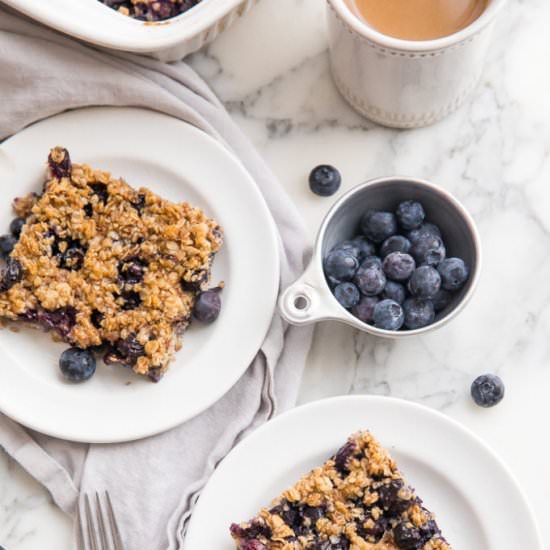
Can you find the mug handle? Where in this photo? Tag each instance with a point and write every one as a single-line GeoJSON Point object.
{"type": "Point", "coordinates": [308, 300]}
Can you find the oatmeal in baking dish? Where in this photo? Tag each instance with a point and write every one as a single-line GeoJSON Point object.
{"type": "Point", "coordinates": [107, 267]}
{"type": "Point", "coordinates": [358, 500]}
{"type": "Point", "coordinates": [151, 10]}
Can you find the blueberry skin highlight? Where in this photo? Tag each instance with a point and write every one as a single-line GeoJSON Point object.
{"type": "Point", "coordinates": [425, 282]}
{"type": "Point", "coordinates": [377, 226]}
{"type": "Point", "coordinates": [325, 180]}
{"type": "Point", "coordinates": [454, 273]}
{"type": "Point", "coordinates": [396, 243]}
{"type": "Point", "coordinates": [388, 315]}
{"type": "Point", "coordinates": [410, 215]}
{"type": "Point", "coordinates": [487, 390]}
{"type": "Point", "coordinates": [364, 310]}
{"type": "Point", "coordinates": [340, 266]}
{"type": "Point", "coordinates": [347, 294]}
{"type": "Point", "coordinates": [77, 365]}
{"type": "Point", "coordinates": [370, 280]}
{"type": "Point", "coordinates": [419, 313]}
{"type": "Point", "coordinates": [399, 266]}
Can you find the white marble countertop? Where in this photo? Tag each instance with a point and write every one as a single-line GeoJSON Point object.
{"type": "Point", "coordinates": [271, 70]}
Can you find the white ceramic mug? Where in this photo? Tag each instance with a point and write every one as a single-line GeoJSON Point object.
{"type": "Point", "coordinates": [405, 83]}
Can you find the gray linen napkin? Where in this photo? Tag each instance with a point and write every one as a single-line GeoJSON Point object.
{"type": "Point", "coordinates": [154, 482]}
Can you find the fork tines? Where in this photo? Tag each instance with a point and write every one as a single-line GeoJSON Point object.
{"type": "Point", "coordinates": [97, 528]}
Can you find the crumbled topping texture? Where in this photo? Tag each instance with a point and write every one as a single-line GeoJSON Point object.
{"type": "Point", "coordinates": [358, 500]}
{"type": "Point", "coordinates": [151, 10]}
{"type": "Point", "coordinates": [103, 264]}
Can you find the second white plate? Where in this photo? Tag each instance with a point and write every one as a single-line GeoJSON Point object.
{"type": "Point", "coordinates": [180, 163]}
{"type": "Point", "coordinates": [478, 504]}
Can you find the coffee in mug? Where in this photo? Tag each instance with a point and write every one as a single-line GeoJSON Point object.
{"type": "Point", "coordinates": [418, 19]}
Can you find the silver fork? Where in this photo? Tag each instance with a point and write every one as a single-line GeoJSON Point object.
{"type": "Point", "coordinates": [97, 528]}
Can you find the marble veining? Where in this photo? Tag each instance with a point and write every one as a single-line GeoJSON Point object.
{"type": "Point", "coordinates": [271, 70]}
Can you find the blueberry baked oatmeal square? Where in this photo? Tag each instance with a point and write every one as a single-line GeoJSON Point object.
{"type": "Point", "coordinates": [106, 267]}
{"type": "Point", "coordinates": [151, 10]}
{"type": "Point", "coordinates": [358, 500]}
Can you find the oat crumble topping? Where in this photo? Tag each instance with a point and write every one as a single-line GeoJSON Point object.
{"type": "Point", "coordinates": [103, 264]}
{"type": "Point", "coordinates": [358, 500]}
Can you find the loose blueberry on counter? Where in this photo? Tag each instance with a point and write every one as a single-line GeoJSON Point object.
{"type": "Point", "coordinates": [441, 299]}
{"type": "Point", "coordinates": [399, 266]}
{"type": "Point", "coordinates": [340, 266]}
{"type": "Point", "coordinates": [16, 226]}
{"type": "Point", "coordinates": [347, 294]}
{"type": "Point", "coordinates": [370, 280]}
{"type": "Point", "coordinates": [208, 306]}
{"type": "Point", "coordinates": [410, 215]}
{"type": "Point", "coordinates": [388, 315]}
{"type": "Point", "coordinates": [487, 390]}
{"type": "Point", "coordinates": [377, 226]}
{"type": "Point", "coordinates": [428, 250]}
{"type": "Point", "coordinates": [396, 243]}
{"type": "Point", "coordinates": [7, 244]}
{"type": "Point", "coordinates": [364, 310]}
{"type": "Point", "coordinates": [325, 180]}
{"type": "Point", "coordinates": [77, 365]}
{"type": "Point", "coordinates": [424, 282]}
{"type": "Point", "coordinates": [418, 313]}
{"type": "Point", "coordinates": [454, 273]}
{"type": "Point", "coordinates": [422, 231]}
{"type": "Point", "coordinates": [394, 291]}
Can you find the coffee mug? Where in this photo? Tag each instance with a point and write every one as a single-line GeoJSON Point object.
{"type": "Point", "coordinates": [405, 83]}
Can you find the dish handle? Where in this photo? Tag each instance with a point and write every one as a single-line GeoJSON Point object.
{"type": "Point", "coordinates": [309, 300]}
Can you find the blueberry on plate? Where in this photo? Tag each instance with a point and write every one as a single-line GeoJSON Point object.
{"type": "Point", "coordinates": [388, 315]}
{"type": "Point", "coordinates": [370, 280]}
{"type": "Point", "coordinates": [208, 306]}
{"type": "Point", "coordinates": [394, 291]}
{"type": "Point", "coordinates": [410, 215]}
{"type": "Point", "coordinates": [340, 266]}
{"type": "Point", "coordinates": [77, 365]}
{"type": "Point", "coordinates": [422, 231]}
{"type": "Point", "coordinates": [364, 310]}
{"type": "Point", "coordinates": [454, 273]}
{"type": "Point", "coordinates": [378, 226]}
{"type": "Point", "coordinates": [428, 250]}
{"type": "Point", "coordinates": [399, 266]}
{"type": "Point", "coordinates": [441, 299]}
{"type": "Point", "coordinates": [7, 244]}
{"type": "Point", "coordinates": [396, 243]}
{"type": "Point", "coordinates": [418, 313]}
{"type": "Point", "coordinates": [487, 390]}
{"type": "Point", "coordinates": [325, 180]}
{"type": "Point", "coordinates": [424, 282]}
{"type": "Point", "coordinates": [347, 294]}
{"type": "Point", "coordinates": [16, 226]}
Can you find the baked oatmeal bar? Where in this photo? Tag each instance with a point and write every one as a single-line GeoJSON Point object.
{"type": "Point", "coordinates": [151, 10]}
{"type": "Point", "coordinates": [358, 500]}
{"type": "Point", "coordinates": [105, 266]}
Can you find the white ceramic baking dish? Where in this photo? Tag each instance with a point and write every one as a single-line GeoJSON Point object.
{"type": "Point", "coordinates": [169, 40]}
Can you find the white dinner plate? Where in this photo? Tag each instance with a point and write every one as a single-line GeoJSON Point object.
{"type": "Point", "coordinates": [478, 504]}
{"type": "Point", "coordinates": [179, 162]}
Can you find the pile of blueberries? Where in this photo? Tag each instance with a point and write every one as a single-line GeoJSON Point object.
{"type": "Point", "coordinates": [395, 274]}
